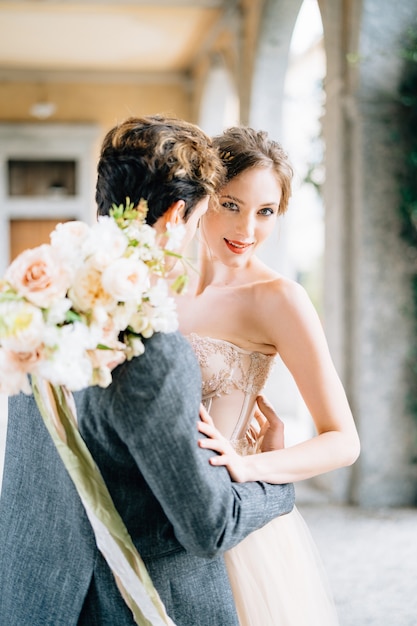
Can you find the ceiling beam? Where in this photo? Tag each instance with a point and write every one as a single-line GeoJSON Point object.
{"type": "Point", "coordinates": [8, 75]}
{"type": "Point", "coordinates": [152, 4]}
{"type": "Point", "coordinates": [231, 12]}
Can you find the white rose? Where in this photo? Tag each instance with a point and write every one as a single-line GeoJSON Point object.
{"type": "Point", "coordinates": [126, 279]}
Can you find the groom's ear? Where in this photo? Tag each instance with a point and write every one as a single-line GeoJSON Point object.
{"type": "Point", "coordinates": [175, 214]}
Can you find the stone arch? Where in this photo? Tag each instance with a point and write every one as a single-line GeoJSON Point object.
{"type": "Point", "coordinates": [267, 92]}
{"type": "Point", "coordinates": [270, 65]}
{"type": "Point", "coordinates": [219, 104]}
{"type": "Point", "coordinates": [366, 277]}
{"type": "Point", "coordinates": [366, 289]}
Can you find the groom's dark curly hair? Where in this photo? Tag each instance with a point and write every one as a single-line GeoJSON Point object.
{"type": "Point", "coordinates": [159, 159]}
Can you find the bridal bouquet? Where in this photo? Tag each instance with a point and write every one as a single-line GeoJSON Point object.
{"type": "Point", "coordinates": [70, 312]}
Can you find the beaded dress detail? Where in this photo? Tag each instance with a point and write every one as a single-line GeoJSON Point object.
{"type": "Point", "coordinates": [240, 374]}
{"type": "Point", "coordinates": [276, 573]}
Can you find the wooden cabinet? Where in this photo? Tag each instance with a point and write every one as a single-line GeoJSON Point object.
{"type": "Point", "coordinates": [47, 176]}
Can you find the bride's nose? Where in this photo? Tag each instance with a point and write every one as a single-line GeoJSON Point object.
{"type": "Point", "coordinates": [246, 226]}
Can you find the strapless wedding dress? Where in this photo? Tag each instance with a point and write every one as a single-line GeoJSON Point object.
{"type": "Point", "coordinates": [276, 573]}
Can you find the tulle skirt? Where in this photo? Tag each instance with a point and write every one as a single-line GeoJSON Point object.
{"type": "Point", "coordinates": [278, 579]}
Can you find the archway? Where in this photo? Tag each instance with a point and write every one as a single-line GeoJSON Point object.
{"type": "Point", "coordinates": [219, 101]}
{"type": "Point", "coordinates": [287, 101]}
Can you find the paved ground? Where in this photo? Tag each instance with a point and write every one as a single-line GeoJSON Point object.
{"type": "Point", "coordinates": [370, 556]}
{"type": "Point", "coordinates": [371, 559]}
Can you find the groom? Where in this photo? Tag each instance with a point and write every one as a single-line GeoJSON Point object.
{"type": "Point", "coordinates": [181, 512]}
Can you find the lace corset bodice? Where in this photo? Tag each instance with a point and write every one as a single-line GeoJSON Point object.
{"type": "Point", "coordinates": [232, 378]}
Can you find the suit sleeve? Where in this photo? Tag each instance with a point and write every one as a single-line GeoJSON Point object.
{"type": "Point", "coordinates": [154, 407]}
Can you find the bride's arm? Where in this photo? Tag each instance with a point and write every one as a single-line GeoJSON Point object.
{"type": "Point", "coordinates": [300, 341]}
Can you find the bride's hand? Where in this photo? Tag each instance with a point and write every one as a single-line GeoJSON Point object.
{"type": "Point", "coordinates": [215, 441]}
{"type": "Point", "coordinates": [270, 429]}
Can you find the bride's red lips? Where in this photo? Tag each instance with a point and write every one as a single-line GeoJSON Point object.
{"type": "Point", "coordinates": [237, 247]}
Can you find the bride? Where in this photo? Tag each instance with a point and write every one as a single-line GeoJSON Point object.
{"type": "Point", "coordinates": [238, 315]}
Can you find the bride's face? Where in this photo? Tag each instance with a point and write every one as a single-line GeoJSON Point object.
{"type": "Point", "coordinates": [247, 214]}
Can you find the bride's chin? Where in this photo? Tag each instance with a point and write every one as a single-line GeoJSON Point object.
{"type": "Point", "coordinates": [235, 262]}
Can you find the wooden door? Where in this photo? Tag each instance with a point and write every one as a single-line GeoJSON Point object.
{"type": "Point", "coordinates": [29, 234]}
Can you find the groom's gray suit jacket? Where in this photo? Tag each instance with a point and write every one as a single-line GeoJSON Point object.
{"type": "Point", "coordinates": [181, 512]}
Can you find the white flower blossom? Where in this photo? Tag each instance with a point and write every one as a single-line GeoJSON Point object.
{"type": "Point", "coordinates": [134, 347]}
{"type": "Point", "coordinates": [158, 293]}
{"type": "Point", "coordinates": [144, 234]}
{"type": "Point", "coordinates": [175, 234]}
{"type": "Point", "coordinates": [56, 314]}
{"type": "Point", "coordinates": [105, 243]}
{"type": "Point", "coordinates": [126, 279]}
{"type": "Point", "coordinates": [69, 363]}
{"type": "Point", "coordinates": [22, 326]}
{"type": "Point", "coordinates": [69, 239]}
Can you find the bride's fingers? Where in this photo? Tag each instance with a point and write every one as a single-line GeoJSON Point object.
{"type": "Point", "coordinates": [262, 423]}
{"type": "Point", "coordinates": [251, 435]}
{"type": "Point", "coordinates": [209, 430]}
{"type": "Point", "coordinates": [260, 418]}
{"type": "Point", "coordinates": [221, 459]}
{"type": "Point", "coordinates": [205, 416]}
{"type": "Point", "coordinates": [213, 444]}
{"type": "Point", "coordinates": [268, 411]}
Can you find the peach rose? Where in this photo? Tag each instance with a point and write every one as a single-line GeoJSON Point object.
{"type": "Point", "coordinates": [88, 292]}
{"type": "Point", "coordinates": [38, 275]}
{"type": "Point", "coordinates": [14, 370]}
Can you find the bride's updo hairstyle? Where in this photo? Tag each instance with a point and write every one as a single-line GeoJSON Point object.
{"type": "Point", "coordinates": [241, 148]}
{"type": "Point", "coordinates": [158, 159]}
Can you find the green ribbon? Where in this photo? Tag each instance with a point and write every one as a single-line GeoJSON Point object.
{"type": "Point", "coordinates": [57, 407]}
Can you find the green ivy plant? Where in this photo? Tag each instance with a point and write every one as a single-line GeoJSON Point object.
{"type": "Point", "coordinates": [408, 184]}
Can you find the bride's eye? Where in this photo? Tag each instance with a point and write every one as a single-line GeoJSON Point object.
{"type": "Point", "coordinates": [267, 211]}
{"type": "Point", "coordinates": [230, 206]}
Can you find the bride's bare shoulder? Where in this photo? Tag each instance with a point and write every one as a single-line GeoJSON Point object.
{"type": "Point", "coordinates": [282, 290]}
{"type": "Point", "coordinates": [285, 299]}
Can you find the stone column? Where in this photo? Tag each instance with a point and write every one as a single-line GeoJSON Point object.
{"type": "Point", "coordinates": [369, 299]}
